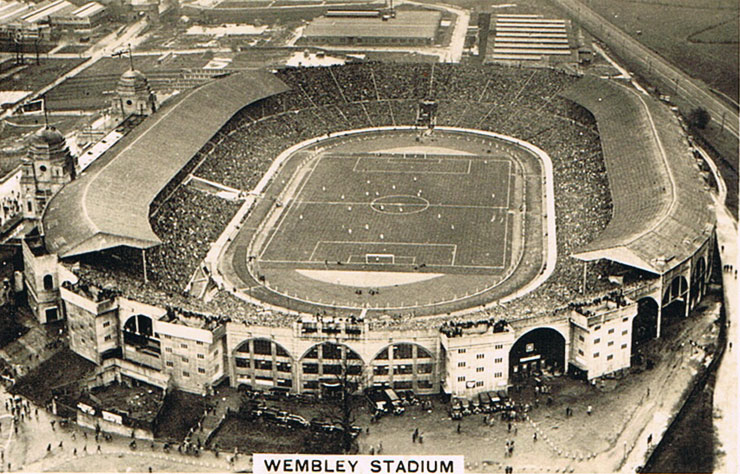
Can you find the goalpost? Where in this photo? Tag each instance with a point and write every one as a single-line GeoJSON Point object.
{"type": "Point", "coordinates": [380, 258]}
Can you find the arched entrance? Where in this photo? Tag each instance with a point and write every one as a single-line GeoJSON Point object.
{"type": "Point", "coordinates": [537, 350]}
{"type": "Point", "coordinates": [327, 367]}
{"type": "Point", "coordinates": [261, 363]}
{"type": "Point", "coordinates": [645, 323]}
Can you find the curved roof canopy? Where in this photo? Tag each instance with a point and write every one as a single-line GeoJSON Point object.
{"type": "Point", "coordinates": [662, 211]}
{"type": "Point", "coordinates": [108, 206]}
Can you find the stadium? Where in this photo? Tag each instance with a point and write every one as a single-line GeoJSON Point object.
{"type": "Point", "coordinates": [305, 223]}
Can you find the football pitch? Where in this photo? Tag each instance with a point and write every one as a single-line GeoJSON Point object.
{"type": "Point", "coordinates": [398, 211]}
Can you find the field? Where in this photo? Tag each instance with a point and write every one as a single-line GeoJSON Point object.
{"type": "Point", "coordinates": [397, 211]}
{"type": "Point", "coordinates": [700, 37]}
{"type": "Point", "coordinates": [394, 220]}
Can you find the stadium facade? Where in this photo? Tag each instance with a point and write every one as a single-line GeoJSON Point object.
{"type": "Point", "coordinates": [666, 234]}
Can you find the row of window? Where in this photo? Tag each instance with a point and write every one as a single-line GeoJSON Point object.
{"type": "Point", "coordinates": [463, 350]}
{"type": "Point", "coordinates": [497, 360]}
{"type": "Point", "coordinates": [497, 375]}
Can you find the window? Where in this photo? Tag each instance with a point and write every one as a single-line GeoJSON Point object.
{"type": "Point", "coordinates": [170, 363]}
{"type": "Point", "coordinates": [461, 364]}
{"type": "Point", "coordinates": [596, 354]}
{"type": "Point", "coordinates": [48, 282]}
{"type": "Point", "coordinates": [498, 360]}
{"type": "Point", "coordinates": [624, 333]}
{"type": "Point", "coordinates": [625, 319]}
{"type": "Point", "coordinates": [167, 336]}
{"type": "Point", "coordinates": [498, 346]}
{"type": "Point", "coordinates": [184, 359]}
{"type": "Point", "coordinates": [201, 356]}
{"type": "Point", "coordinates": [168, 349]}
{"type": "Point", "coordinates": [479, 383]}
{"type": "Point", "coordinates": [200, 343]}
{"type": "Point", "coordinates": [461, 351]}
{"type": "Point", "coordinates": [597, 328]}
{"type": "Point", "coordinates": [106, 324]}
{"type": "Point", "coordinates": [480, 369]}
{"type": "Point", "coordinates": [461, 378]}
{"type": "Point", "coordinates": [610, 343]}
{"type": "Point", "coordinates": [580, 338]}
{"type": "Point", "coordinates": [597, 340]}
{"type": "Point", "coordinates": [107, 338]}
{"type": "Point", "coordinates": [183, 345]}
{"type": "Point", "coordinates": [480, 356]}
{"type": "Point", "coordinates": [185, 373]}
{"type": "Point", "coordinates": [624, 346]}
{"type": "Point", "coordinates": [580, 351]}
{"type": "Point", "coordinates": [498, 375]}
{"type": "Point", "coordinates": [611, 331]}
{"type": "Point", "coordinates": [201, 370]}
{"type": "Point", "coordinates": [610, 357]}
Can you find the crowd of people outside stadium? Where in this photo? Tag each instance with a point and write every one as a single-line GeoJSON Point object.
{"type": "Point", "coordinates": [523, 103]}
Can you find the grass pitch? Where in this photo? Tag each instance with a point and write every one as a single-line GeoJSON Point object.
{"type": "Point", "coordinates": [394, 211]}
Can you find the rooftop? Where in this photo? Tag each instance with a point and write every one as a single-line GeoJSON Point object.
{"type": "Point", "coordinates": [662, 212]}
{"type": "Point", "coordinates": [406, 24]}
{"type": "Point", "coordinates": [104, 209]}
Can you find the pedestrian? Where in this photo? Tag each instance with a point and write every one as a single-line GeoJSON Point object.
{"type": "Point", "coordinates": [485, 419]}
{"type": "Point", "coordinates": [36, 413]}
{"type": "Point", "coordinates": [74, 436]}
{"type": "Point", "coordinates": [421, 439]}
{"type": "Point", "coordinates": [588, 410]}
{"type": "Point", "coordinates": [98, 450]}
{"type": "Point", "coordinates": [52, 424]}
{"type": "Point", "coordinates": [61, 444]}
{"type": "Point", "coordinates": [730, 346]}
{"type": "Point", "coordinates": [509, 427]}
{"type": "Point", "coordinates": [380, 447]}
{"type": "Point", "coordinates": [372, 450]}
{"type": "Point", "coordinates": [534, 436]}
{"type": "Point", "coordinates": [84, 449]}
{"type": "Point", "coordinates": [84, 434]}
{"type": "Point", "coordinates": [650, 439]}
{"type": "Point", "coordinates": [48, 448]}
{"type": "Point", "coordinates": [74, 452]}
{"type": "Point", "coordinates": [458, 427]}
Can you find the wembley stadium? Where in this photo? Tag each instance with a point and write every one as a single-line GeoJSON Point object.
{"type": "Point", "coordinates": [371, 205]}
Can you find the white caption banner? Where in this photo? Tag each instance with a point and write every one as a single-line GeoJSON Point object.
{"type": "Point", "coordinates": [341, 464]}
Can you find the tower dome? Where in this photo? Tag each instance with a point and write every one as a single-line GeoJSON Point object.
{"type": "Point", "coordinates": [47, 143]}
{"type": "Point", "coordinates": [135, 95]}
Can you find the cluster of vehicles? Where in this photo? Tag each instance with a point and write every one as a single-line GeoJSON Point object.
{"type": "Point", "coordinates": [386, 400]}
{"type": "Point", "coordinates": [484, 402]}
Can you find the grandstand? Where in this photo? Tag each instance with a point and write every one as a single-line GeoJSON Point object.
{"type": "Point", "coordinates": [103, 209]}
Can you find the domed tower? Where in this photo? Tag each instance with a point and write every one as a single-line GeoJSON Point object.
{"type": "Point", "coordinates": [135, 97]}
{"type": "Point", "coordinates": [47, 167]}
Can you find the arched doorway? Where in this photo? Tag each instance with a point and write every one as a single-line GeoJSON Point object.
{"type": "Point", "coordinates": [645, 323]}
{"type": "Point", "coordinates": [328, 367]}
{"type": "Point", "coordinates": [537, 350]}
{"type": "Point", "coordinates": [261, 363]}
{"type": "Point", "coordinates": [140, 343]}
{"type": "Point", "coordinates": [403, 366]}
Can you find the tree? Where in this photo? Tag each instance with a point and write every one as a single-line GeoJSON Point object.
{"type": "Point", "coordinates": [341, 411]}
{"type": "Point", "coordinates": [699, 118]}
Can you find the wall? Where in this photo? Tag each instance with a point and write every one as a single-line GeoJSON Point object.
{"type": "Point", "coordinates": [90, 421]}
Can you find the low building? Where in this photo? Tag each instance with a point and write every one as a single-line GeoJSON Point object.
{"type": "Point", "coordinates": [407, 27]}
{"type": "Point", "coordinates": [86, 17]}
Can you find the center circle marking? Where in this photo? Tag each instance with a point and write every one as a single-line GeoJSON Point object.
{"type": "Point", "coordinates": [399, 204]}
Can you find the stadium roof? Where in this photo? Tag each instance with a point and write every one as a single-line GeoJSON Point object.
{"type": "Point", "coordinates": [108, 205]}
{"type": "Point", "coordinates": [406, 24]}
{"type": "Point", "coordinates": [662, 212]}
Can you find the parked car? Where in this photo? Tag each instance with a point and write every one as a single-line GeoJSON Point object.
{"type": "Point", "coordinates": [297, 421]}
{"type": "Point", "coordinates": [485, 402]}
{"type": "Point", "coordinates": [456, 409]}
{"type": "Point", "coordinates": [465, 406]}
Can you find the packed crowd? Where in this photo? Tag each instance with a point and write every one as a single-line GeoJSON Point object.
{"type": "Point", "coordinates": [519, 102]}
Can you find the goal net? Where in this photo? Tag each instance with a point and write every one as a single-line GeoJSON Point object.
{"type": "Point", "coordinates": [381, 258]}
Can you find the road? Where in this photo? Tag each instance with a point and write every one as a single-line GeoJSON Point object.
{"type": "Point", "coordinates": [681, 84]}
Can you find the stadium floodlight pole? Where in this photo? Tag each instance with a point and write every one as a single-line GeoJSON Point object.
{"type": "Point", "coordinates": [583, 286]}
{"type": "Point", "coordinates": [143, 260]}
